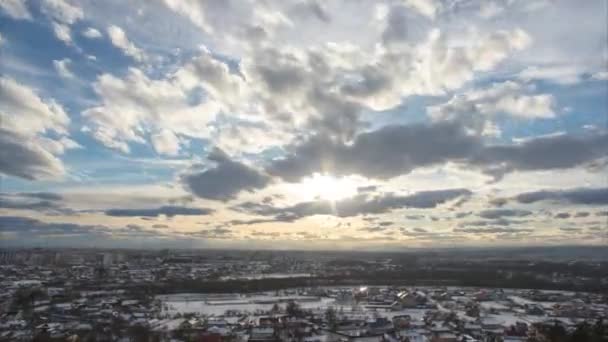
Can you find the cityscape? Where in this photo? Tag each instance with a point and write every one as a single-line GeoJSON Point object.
{"type": "Point", "coordinates": [187, 295]}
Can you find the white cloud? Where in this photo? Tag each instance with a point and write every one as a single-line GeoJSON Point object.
{"type": "Point", "coordinates": [92, 33]}
{"type": "Point", "coordinates": [62, 11]}
{"type": "Point", "coordinates": [16, 9]}
{"type": "Point", "coordinates": [564, 74]}
{"type": "Point", "coordinates": [428, 8]}
{"type": "Point", "coordinates": [119, 39]}
{"type": "Point", "coordinates": [475, 107]}
{"type": "Point", "coordinates": [132, 106]}
{"type": "Point", "coordinates": [62, 68]}
{"type": "Point", "coordinates": [25, 112]}
{"type": "Point", "coordinates": [27, 151]}
{"type": "Point", "coordinates": [63, 33]}
{"type": "Point", "coordinates": [166, 142]}
{"type": "Point", "coordinates": [601, 75]}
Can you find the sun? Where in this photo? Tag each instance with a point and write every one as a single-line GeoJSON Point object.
{"type": "Point", "coordinates": [329, 188]}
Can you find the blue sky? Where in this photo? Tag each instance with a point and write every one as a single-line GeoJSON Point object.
{"type": "Point", "coordinates": [287, 121]}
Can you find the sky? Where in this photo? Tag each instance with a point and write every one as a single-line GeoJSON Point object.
{"type": "Point", "coordinates": [303, 124]}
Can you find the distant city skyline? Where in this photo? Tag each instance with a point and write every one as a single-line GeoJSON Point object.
{"type": "Point", "coordinates": [341, 125]}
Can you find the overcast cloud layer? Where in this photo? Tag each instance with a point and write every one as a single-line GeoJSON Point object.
{"type": "Point", "coordinates": [398, 123]}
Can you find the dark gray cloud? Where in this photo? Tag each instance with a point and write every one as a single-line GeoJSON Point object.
{"type": "Point", "coordinates": [492, 230]}
{"type": "Point", "coordinates": [385, 153]}
{"type": "Point", "coordinates": [25, 225]}
{"type": "Point", "coordinates": [500, 221]}
{"type": "Point", "coordinates": [498, 213]}
{"type": "Point", "coordinates": [357, 205]}
{"type": "Point", "coordinates": [373, 229]}
{"type": "Point", "coordinates": [249, 222]}
{"type": "Point", "coordinates": [542, 153]}
{"type": "Point", "coordinates": [224, 181]}
{"type": "Point", "coordinates": [582, 214]}
{"type": "Point", "coordinates": [601, 213]}
{"type": "Point", "coordinates": [570, 229]}
{"type": "Point", "coordinates": [47, 196]}
{"type": "Point", "coordinates": [398, 149]}
{"type": "Point", "coordinates": [49, 203]}
{"type": "Point", "coordinates": [396, 29]}
{"type": "Point", "coordinates": [590, 196]}
{"type": "Point", "coordinates": [562, 215]}
{"type": "Point", "coordinates": [167, 210]}
{"type": "Point", "coordinates": [369, 188]}
{"type": "Point", "coordinates": [24, 159]}
{"type": "Point", "coordinates": [215, 233]}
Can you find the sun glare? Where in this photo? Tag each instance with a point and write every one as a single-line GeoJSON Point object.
{"type": "Point", "coordinates": [328, 188]}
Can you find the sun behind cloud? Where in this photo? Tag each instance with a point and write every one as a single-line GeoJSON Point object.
{"type": "Point", "coordinates": [327, 187]}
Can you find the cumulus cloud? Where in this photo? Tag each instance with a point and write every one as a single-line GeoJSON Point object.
{"type": "Point", "coordinates": [168, 211]}
{"type": "Point", "coordinates": [166, 142]}
{"type": "Point", "coordinates": [61, 11]}
{"type": "Point", "coordinates": [92, 33]}
{"type": "Point", "coordinates": [398, 149]}
{"type": "Point", "coordinates": [62, 68]}
{"type": "Point", "coordinates": [16, 9]}
{"type": "Point", "coordinates": [27, 151]}
{"type": "Point", "coordinates": [225, 180]}
{"type": "Point", "coordinates": [427, 8]}
{"type": "Point", "coordinates": [63, 33]}
{"type": "Point", "coordinates": [119, 38]}
{"type": "Point", "coordinates": [385, 153]}
{"type": "Point", "coordinates": [560, 151]}
{"type": "Point", "coordinates": [475, 107]}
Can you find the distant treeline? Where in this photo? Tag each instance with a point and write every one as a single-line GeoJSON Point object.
{"type": "Point", "coordinates": [470, 278]}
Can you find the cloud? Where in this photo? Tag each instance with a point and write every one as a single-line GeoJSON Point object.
{"type": "Point", "coordinates": [23, 226]}
{"type": "Point", "coordinates": [560, 151]}
{"type": "Point", "coordinates": [492, 230]}
{"type": "Point", "coordinates": [135, 104]}
{"type": "Point", "coordinates": [34, 133]}
{"type": "Point", "coordinates": [63, 33]}
{"type": "Point", "coordinates": [475, 107]}
{"type": "Point", "coordinates": [26, 159]}
{"type": "Point", "coordinates": [167, 210]}
{"type": "Point", "coordinates": [166, 142]}
{"type": "Point", "coordinates": [61, 66]}
{"type": "Point", "coordinates": [92, 33]}
{"type": "Point", "coordinates": [358, 205]}
{"type": "Point", "coordinates": [428, 8]}
{"type": "Point", "coordinates": [560, 74]}
{"type": "Point", "coordinates": [215, 233]}
{"type": "Point", "coordinates": [382, 154]}
{"type": "Point", "coordinates": [118, 37]}
{"type": "Point", "coordinates": [37, 201]}
{"type": "Point", "coordinates": [224, 181]}
{"type": "Point", "coordinates": [589, 196]}
{"type": "Point", "coordinates": [498, 213]}
{"type": "Point", "coordinates": [61, 11]}
{"type": "Point", "coordinates": [562, 215]}
{"type": "Point", "coordinates": [16, 9]}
